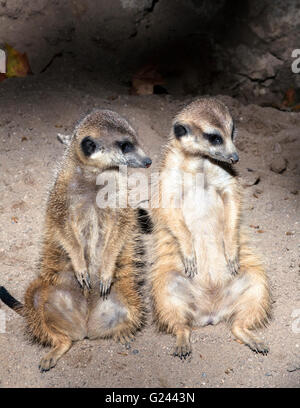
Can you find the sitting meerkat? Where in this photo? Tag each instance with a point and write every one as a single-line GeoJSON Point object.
{"type": "Point", "coordinates": [88, 283]}
{"type": "Point", "coordinates": [203, 269]}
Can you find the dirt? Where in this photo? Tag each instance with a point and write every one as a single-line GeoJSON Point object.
{"type": "Point", "coordinates": [33, 111]}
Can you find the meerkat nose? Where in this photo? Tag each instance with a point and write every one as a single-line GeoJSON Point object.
{"type": "Point", "coordinates": [234, 158]}
{"type": "Point", "coordinates": [147, 162]}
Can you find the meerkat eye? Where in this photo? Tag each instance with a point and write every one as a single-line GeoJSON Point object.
{"type": "Point", "coordinates": [180, 130]}
{"type": "Point", "coordinates": [126, 147]}
{"type": "Point", "coordinates": [213, 138]}
{"type": "Point", "coordinates": [88, 145]}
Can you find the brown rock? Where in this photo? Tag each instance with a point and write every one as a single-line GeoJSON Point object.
{"type": "Point", "coordinates": [279, 165]}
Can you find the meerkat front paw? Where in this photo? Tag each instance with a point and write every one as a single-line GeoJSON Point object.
{"type": "Point", "coordinates": [105, 285]}
{"type": "Point", "coordinates": [232, 260]}
{"type": "Point", "coordinates": [190, 265]}
{"type": "Point", "coordinates": [83, 278]}
{"type": "Point", "coordinates": [233, 265]}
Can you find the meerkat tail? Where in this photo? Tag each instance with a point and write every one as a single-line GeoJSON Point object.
{"type": "Point", "coordinates": [11, 302]}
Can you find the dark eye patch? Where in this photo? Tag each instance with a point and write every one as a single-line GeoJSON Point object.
{"type": "Point", "coordinates": [180, 130]}
{"type": "Point", "coordinates": [88, 146]}
{"type": "Point", "coordinates": [213, 138]}
{"type": "Point", "coordinates": [126, 146]}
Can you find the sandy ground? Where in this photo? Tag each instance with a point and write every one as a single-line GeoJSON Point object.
{"type": "Point", "coordinates": [33, 111]}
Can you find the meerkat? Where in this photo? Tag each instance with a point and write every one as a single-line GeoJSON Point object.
{"type": "Point", "coordinates": [203, 269]}
{"type": "Point", "coordinates": [88, 283]}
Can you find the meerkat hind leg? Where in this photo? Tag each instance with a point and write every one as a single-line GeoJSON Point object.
{"type": "Point", "coordinates": [63, 319]}
{"type": "Point", "coordinates": [51, 358]}
{"type": "Point", "coordinates": [105, 316]}
{"type": "Point", "coordinates": [175, 308]}
{"type": "Point", "coordinates": [245, 335]}
{"type": "Point", "coordinates": [117, 316]}
{"type": "Point", "coordinates": [183, 344]}
{"type": "Point", "coordinates": [110, 318]}
{"type": "Point", "coordinates": [249, 311]}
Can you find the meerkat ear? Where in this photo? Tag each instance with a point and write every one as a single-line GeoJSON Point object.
{"type": "Point", "coordinates": [180, 130]}
{"type": "Point", "coordinates": [64, 139]}
{"type": "Point", "coordinates": [88, 146]}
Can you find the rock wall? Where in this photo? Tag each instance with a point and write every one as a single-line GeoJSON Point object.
{"type": "Point", "coordinates": [199, 46]}
{"type": "Point", "coordinates": [257, 56]}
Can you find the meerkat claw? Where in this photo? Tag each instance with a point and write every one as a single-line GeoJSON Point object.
{"type": "Point", "coordinates": [233, 266]}
{"type": "Point", "coordinates": [190, 266]}
{"type": "Point", "coordinates": [87, 282]}
{"type": "Point", "coordinates": [259, 348]}
{"type": "Point", "coordinates": [84, 279]}
{"type": "Point", "coordinates": [105, 288]}
{"type": "Point", "coordinates": [182, 352]}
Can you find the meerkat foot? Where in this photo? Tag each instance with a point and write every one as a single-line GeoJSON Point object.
{"type": "Point", "coordinates": [183, 345]}
{"type": "Point", "coordinates": [190, 266]}
{"type": "Point", "coordinates": [105, 285]}
{"type": "Point", "coordinates": [50, 359]}
{"type": "Point", "coordinates": [258, 347]}
{"type": "Point", "coordinates": [124, 338]}
{"type": "Point", "coordinates": [47, 362]}
{"type": "Point", "coordinates": [182, 351]}
{"type": "Point", "coordinates": [253, 342]}
{"type": "Point", "coordinates": [83, 278]}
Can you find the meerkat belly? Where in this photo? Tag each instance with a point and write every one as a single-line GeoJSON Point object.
{"type": "Point", "coordinates": [91, 238]}
{"type": "Point", "coordinates": [204, 216]}
{"type": "Point", "coordinates": [203, 212]}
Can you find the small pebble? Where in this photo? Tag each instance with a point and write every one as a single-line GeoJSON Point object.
{"type": "Point", "coordinates": [293, 368]}
{"type": "Point", "coordinates": [277, 148]}
{"type": "Point", "coordinates": [278, 165]}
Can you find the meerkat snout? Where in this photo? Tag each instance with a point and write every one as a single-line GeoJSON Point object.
{"type": "Point", "coordinates": [133, 155]}
{"type": "Point", "coordinates": [234, 158]}
{"type": "Point", "coordinates": [147, 162]}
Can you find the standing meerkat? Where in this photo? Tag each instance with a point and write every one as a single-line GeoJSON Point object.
{"type": "Point", "coordinates": [88, 285]}
{"type": "Point", "coordinates": [203, 269]}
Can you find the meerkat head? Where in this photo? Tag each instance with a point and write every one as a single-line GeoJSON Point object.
{"type": "Point", "coordinates": [206, 127]}
{"type": "Point", "coordinates": [104, 139]}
